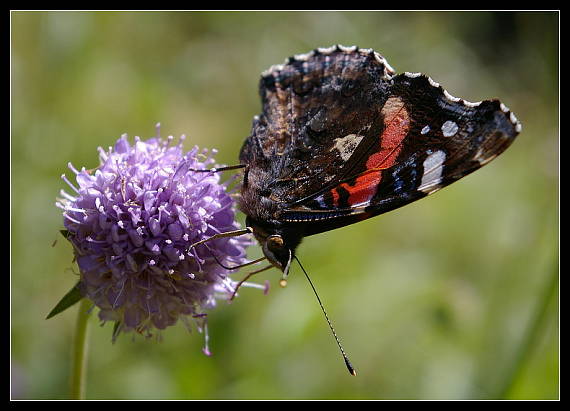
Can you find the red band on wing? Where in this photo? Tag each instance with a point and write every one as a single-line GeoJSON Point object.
{"type": "Point", "coordinates": [397, 125]}
{"type": "Point", "coordinates": [364, 187]}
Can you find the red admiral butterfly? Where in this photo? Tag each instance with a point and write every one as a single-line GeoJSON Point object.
{"type": "Point", "coordinates": [342, 138]}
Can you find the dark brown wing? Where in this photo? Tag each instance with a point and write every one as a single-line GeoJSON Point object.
{"type": "Point", "coordinates": [320, 111]}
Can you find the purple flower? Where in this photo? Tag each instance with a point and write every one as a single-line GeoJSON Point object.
{"type": "Point", "coordinates": [131, 223]}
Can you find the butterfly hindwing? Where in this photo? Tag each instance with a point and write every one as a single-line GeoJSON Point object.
{"type": "Point", "coordinates": [318, 109]}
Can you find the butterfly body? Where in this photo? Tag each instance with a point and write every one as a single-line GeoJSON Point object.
{"type": "Point", "coordinates": [342, 138]}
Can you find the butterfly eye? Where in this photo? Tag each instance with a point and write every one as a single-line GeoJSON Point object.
{"type": "Point", "coordinates": [275, 242]}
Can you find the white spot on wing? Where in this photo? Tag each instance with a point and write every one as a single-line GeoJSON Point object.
{"type": "Point", "coordinates": [272, 70]}
{"type": "Point", "coordinates": [303, 57]}
{"type": "Point", "coordinates": [425, 130]}
{"type": "Point", "coordinates": [470, 104]}
{"type": "Point", "coordinates": [450, 97]}
{"type": "Point", "coordinates": [348, 49]}
{"type": "Point", "coordinates": [321, 201]}
{"type": "Point", "coordinates": [433, 169]}
{"type": "Point", "coordinates": [433, 83]}
{"type": "Point", "coordinates": [449, 128]}
{"type": "Point", "coordinates": [387, 68]}
{"type": "Point", "coordinates": [346, 145]}
{"type": "Point", "coordinates": [326, 50]}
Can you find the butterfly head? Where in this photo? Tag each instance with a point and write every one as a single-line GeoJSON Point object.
{"type": "Point", "coordinates": [278, 243]}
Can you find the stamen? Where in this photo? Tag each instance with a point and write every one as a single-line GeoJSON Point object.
{"type": "Point", "coordinates": [77, 210]}
{"type": "Point", "coordinates": [64, 178]}
{"type": "Point", "coordinates": [71, 219]}
{"type": "Point", "coordinates": [70, 166]}
{"type": "Point", "coordinates": [67, 196]}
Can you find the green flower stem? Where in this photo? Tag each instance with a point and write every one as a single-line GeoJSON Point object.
{"type": "Point", "coordinates": [79, 370]}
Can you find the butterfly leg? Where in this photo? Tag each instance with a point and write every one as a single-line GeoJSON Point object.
{"type": "Point", "coordinates": [219, 169]}
{"type": "Point", "coordinates": [247, 277]}
{"type": "Point", "coordinates": [239, 266]}
{"type": "Point", "coordinates": [247, 230]}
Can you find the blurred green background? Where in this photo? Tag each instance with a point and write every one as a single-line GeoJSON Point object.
{"type": "Point", "coordinates": [454, 296]}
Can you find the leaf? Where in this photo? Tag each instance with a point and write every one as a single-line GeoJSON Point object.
{"type": "Point", "coordinates": [69, 299]}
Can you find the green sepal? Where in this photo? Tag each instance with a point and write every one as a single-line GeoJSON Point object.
{"type": "Point", "coordinates": [69, 299]}
{"type": "Point", "coordinates": [116, 331]}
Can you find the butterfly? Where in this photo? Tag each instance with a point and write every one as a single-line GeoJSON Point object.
{"type": "Point", "coordinates": [343, 138]}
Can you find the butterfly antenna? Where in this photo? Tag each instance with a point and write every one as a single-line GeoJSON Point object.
{"type": "Point", "coordinates": [349, 366]}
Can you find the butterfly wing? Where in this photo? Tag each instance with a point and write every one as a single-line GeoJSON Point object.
{"type": "Point", "coordinates": [341, 140]}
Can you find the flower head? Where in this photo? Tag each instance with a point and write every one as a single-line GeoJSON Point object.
{"type": "Point", "coordinates": [132, 222]}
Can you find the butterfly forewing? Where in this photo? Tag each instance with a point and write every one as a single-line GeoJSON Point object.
{"type": "Point", "coordinates": [341, 139]}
